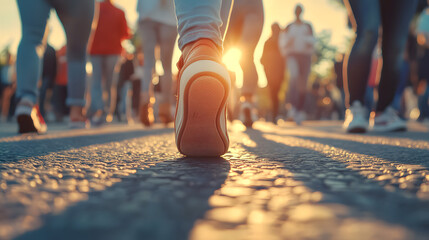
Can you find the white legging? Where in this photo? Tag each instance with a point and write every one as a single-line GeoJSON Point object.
{"type": "Point", "coordinates": [155, 33]}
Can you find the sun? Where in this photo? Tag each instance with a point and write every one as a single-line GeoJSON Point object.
{"type": "Point", "coordinates": [231, 59]}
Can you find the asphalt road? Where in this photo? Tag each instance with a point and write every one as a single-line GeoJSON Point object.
{"type": "Point", "coordinates": [276, 182]}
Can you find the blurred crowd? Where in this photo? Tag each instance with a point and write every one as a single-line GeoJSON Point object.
{"type": "Point", "coordinates": [136, 83]}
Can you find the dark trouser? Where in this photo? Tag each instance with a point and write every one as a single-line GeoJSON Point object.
{"type": "Point", "coordinates": [394, 17]}
{"type": "Point", "coordinates": [59, 97]}
{"type": "Point", "coordinates": [275, 77]}
{"type": "Point", "coordinates": [135, 101]}
{"type": "Point", "coordinates": [47, 83]}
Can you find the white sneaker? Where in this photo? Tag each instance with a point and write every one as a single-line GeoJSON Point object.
{"type": "Point", "coordinates": [388, 121]}
{"type": "Point", "coordinates": [248, 114]}
{"type": "Point", "coordinates": [203, 89]}
{"type": "Point", "coordinates": [356, 118]}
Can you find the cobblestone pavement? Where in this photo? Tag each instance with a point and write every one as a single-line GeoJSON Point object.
{"type": "Point", "coordinates": [276, 182]}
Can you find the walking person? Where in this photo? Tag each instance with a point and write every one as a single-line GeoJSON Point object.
{"type": "Point", "coordinates": [76, 17]}
{"type": "Point", "coordinates": [157, 27]}
{"type": "Point", "coordinates": [105, 51]}
{"type": "Point", "coordinates": [367, 16]}
{"type": "Point", "coordinates": [274, 67]}
{"type": "Point", "coordinates": [203, 81]}
{"type": "Point", "coordinates": [297, 46]}
{"type": "Point", "coordinates": [245, 29]}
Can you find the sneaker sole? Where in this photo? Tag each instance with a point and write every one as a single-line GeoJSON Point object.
{"type": "Point", "coordinates": [200, 129]}
{"type": "Point", "coordinates": [201, 133]}
{"type": "Point", "coordinates": [26, 125]}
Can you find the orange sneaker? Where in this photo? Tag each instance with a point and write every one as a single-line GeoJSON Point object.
{"type": "Point", "coordinates": [203, 90]}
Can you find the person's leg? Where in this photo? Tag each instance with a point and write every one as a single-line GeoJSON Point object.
{"type": "Point", "coordinates": [96, 89]}
{"type": "Point", "coordinates": [274, 83]}
{"type": "Point", "coordinates": [76, 17]}
{"type": "Point", "coordinates": [167, 38]}
{"type": "Point", "coordinates": [168, 35]}
{"type": "Point", "coordinates": [34, 16]}
{"type": "Point", "coordinates": [251, 32]}
{"type": "Point", "coordinates": [135, 101]}
{"type": "Point", "coordinates": [396, 16]}
{"type": "Point", "coordinates": [405, 73]}
{"type": "Point", "coordinates": [293, 69]}
{"type": "Point", "coordinates": [365, 14]}
{"type": "Point", "coordinates": [148, 34]}
{"type": "Point", "coordinates": [12, 105]}
{"type": "Point", "coordinates": [42, 95]}
{"type": "Point", "coordinates": [111, 76]}
{"type": "Point", "coordinates": [304, 63]}
{"type": "Point", "coordinates": [204, 83]}
{"type": "Point", "coordinates": [200, 20]}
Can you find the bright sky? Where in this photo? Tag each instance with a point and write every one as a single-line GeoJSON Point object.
{"type": "Point", "coordinates": [322, 14]}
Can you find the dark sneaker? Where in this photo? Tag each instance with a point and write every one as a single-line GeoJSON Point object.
{"type": "Point", "coordinates": [29, 118]}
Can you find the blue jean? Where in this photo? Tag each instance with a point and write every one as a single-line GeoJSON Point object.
{"type": "Point", "coordinates": [197, 19]}
{"type": "Point", "coordinates": [103, 68]}
{"type": "Point", "coordinates": [394, 16]}
{"type": "Point", "coordinates": [76, 17]}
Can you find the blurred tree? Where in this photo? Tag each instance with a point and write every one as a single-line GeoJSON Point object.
{"type": "Point", "coordinates": [324, 53]}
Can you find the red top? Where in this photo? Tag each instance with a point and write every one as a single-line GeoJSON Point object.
{"type": "Point", "coordinates": [111, 29]}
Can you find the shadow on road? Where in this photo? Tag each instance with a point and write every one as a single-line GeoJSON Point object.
{"type": "Point", "coordinates": [12, 151]}
{"type": "Point", "coordinates": [339, 184]}
{"type": "Point", "coordinates": [391, 153]}
{"type": "Point", "coordinates": [161, 202]}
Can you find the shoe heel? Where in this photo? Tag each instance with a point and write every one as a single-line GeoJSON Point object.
{"type": "Point", "coordinates": [203, 133]}
{"type": "Point", "coordinates": [25, 124]}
